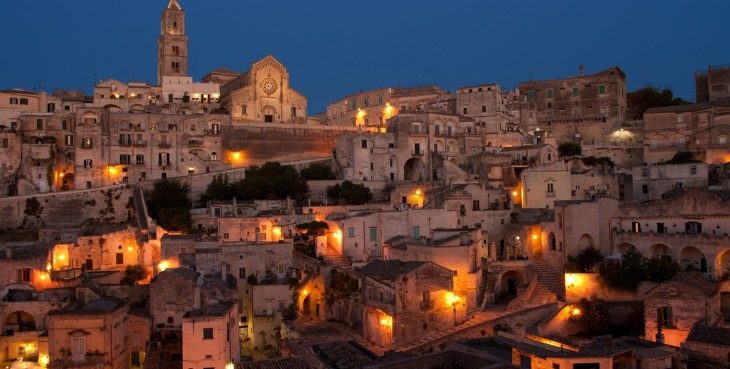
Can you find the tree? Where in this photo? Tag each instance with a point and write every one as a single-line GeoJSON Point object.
{"type": "Point", "coordinates": [169, 203]}
{"type": "Point", "coordinates": [134, 274]}
{"type": "Point", "coordinates": [317, 172]}
{"type": "Point", "coordinates": [648, 97]}
{"type": "Point", "coordinates": [682, 157]}
{"type": "Point", "coordinates": [349, 193]}
{"type": "Point", "coordinates": [569, 149]}
{"type": "Point", "coordinates": [270, 181]}
{"type": "Point", "coordinates": [218, 189]}
{"type": "Point", "coordinates": [660, 269]}
{"type": "Point", "coordinates": [313, 228]}
{"type": "Point", "coordinates": [591, 316]}
{"type": "Point", "coordinates": [585, 261]}
{"type": "Point", "coordinates": [625, 275]}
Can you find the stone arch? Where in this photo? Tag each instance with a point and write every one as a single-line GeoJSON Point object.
{"type": "Point", "coordinates": [510, 283]}
{"type": "Point", "coordinates": [414, 170]}
{"type": "Point", "coordinates": [722, 263]}
{"type": "Point", "coordinates": [19, 321]}
{"type": "Point", "coordinates": [111, 108]}
{"type": "Point", "coordinates": [625, 246]}
{"type": "Point", "coordinates": [453, 146]}
{"type": "Point", "coordinates": [692, 259]}
{"type": "Point", "coordinates": [438, 146]}
{"type": "Point", "coordinates": [585, 241]}
{"type": "Point", "coordinates": [661, 251]}
{"type": "Point", "coordinates": [136, 108]}
{"type": "Point", "coordinates": [185, 111]}
{"type": "Point", "coordinates": [166, 110]}
{"type": "Point", "coordinates": [269, 113]}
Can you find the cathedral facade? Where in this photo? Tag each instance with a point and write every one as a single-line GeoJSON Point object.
{"type": "Point", "coordinates": [263, 94]}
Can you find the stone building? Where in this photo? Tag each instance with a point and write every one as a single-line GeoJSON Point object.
{"type": "Point", "coordinates": [89, 335]}
{"type": "Point", "coordinates": [173, 43]}
{"type": "Point", "coordinates": [485, 104]}
{"type": "Point", "coordinates": [541, 186]}
{"type": "Point", "coordinates": [713, 83]}
{"type": "Point", "coordinates": [405, 301]}
{"type": "Point", "coordinates": [109, 248]}
{"type": "Point", "coordinates": [674, 307]}
{"type": "Point", "coordinates": [457, 249]}
{"type": "Point", "coordinates": [578, 109]}
{"type": "Point", "coordinates": [690, 227]}
{"type": "Point", "coordinates": [701, 128]}
{"type": "Point", "coordinates": [373, 108]}
{"type": "Point", "coordinates": [713, 342]}
{"type": "Point", "coordinates": [210, 336]}
{"type": "Point", "coordinates": [652, 181]}
{"type": "Point", "coordinates": [174, 292]}
{"type": "Point", "coordinates": [263, 94]}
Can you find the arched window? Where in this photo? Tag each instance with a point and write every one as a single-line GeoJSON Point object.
{"type": "Point", "coordinates": [213, 156]}
{"type": "Point", "coordinates": [170, 320]}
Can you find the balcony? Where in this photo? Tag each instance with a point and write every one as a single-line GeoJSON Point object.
{"type": "Point", "coordinates": [195, 143]}
{"type": "Point", "coordinates": [164, 164]}
{"type": "Point", "coordinates": [125, 143]}
{"type": "Point", "coordinates": [140, 143]}
{"type": "Point", "coordinates": [139, 163]}
{"type": "Point", "coordinates": [212, 132]}
{"type": "Point", "coordinates": [164, 145]}
{"type": "Point", "coordinates": [549, 193]}
{"type": "Point", "coordinates": [86, 146]}
{"type": "Point", "coordinates": [417, 153]}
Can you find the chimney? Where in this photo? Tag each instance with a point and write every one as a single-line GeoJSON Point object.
{"type": "Point", "coordinates": [520, 330]}
{"type": "Point", "coordinates": [581, 70]}
{"type": "Point", "coordinates": [8, 252]}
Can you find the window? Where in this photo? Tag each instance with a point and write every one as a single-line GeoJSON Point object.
{"type": "Point", "coordinates": [645, 188]}
{"type": "Point", "coordinates": [350, 232]}
{"type": "Point", "coordinates": [88, 164]}
{"type": "Point", "coordinates": [576, 91]}
{"type": "Point", "coordinates": [78, 349]}
{"type": "Point", "coordinates": [462, 210]}
{"type": "Point", "coordinates": [426, 298]}
{"type": "Point", "coordinates": [51, 107]}
{"type": "Point", "coordinates": [484, 108]}
{"type": "Point", "coordinates": [293, 112]}
{"type": "Point", "coordinates": [475, 205]}
{"type": "Point", "coordinates": [602, 89]}
{"type": "Point", "coordinates": [665, 316]}
{"type": "Point", "coordinates": [139, 159]}
{"type": "Point", "coordinates": [722, 140]}
{"type": "Point", "coordinates": [373, 233]}
{"type": "Point", "coordinates": [87, 143]}
{"type": "Point", "coordinates": [635, 227]}
{"type": "Point", "coordinates": [39, 124]}
{"type": "Point", "coordinates": [550, 187]}
{"type": "Point", "coordinates": [207, 333]}
{"type": "Point", "coordinates": [693, 170]}
{"type": "Point", "coordinates": [23, 101]}
{"type": "Point", "coordinates": [465, 110]}
{"type": "Point", "coordinates": [531, 96]}
{"type": "Point", "coordinates": [693, 228]}
{"type": "Point", "coordinates": [241, 273]}
{"type": "Point", "coordinates": [120, 258]}
{"type": "Point", "coordinates": [24, 275]}
{"type": "Point", "coordinates": [5, 142]}
{"type": "Point", "coordinates": [364, 144]}
{"type": "Point", "coordinates": [416, 232]}
{"type": "Point", "coordinates": [13, 101]}
{"type": "Point", "coordinates": [680, 118]}
{"type": "Point", "coordinates": [549, 93]}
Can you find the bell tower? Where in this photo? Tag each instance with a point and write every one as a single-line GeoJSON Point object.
{"type": "Point", "coordinates": [172, 53]}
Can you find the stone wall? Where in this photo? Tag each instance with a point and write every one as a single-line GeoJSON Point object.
{"type": "Point", "coordinates": [67, 209]}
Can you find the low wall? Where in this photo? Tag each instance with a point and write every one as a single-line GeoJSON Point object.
{"type": "Point", "coordinates": [67, 209]}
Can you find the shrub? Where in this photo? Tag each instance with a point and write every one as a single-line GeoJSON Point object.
{"type": "Point", "coordinates": [591, 316]}
{"type": "Point", "coordinates": [625, 275]}
{"type": "Point", "coordinates": [660, 269]}
{"type": "Point", "coordinates": [134, 274]}
{"type": "Point", "coordinates": [569, 149]}
{"type": "Point", "coordinates": [317, 172]}
{"type": "Point", "coordinates": [585, 261]}
{"type": "Point", "coordinates": [348, 193]}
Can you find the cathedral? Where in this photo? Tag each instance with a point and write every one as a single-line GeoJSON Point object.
{"type": "Point", "coordinates": [262, 94]}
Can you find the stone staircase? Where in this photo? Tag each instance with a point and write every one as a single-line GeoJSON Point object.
{"type": "Point", "coordinates": [488, 283]}
{"type": "Point", "coordinates": [334, 258]}
{"type": "Point", "coordinates": [549, 277]}
{"type": "Point", "coordinates": [547, 286]}
{"type": "Point", "coordinates": [153, 356]}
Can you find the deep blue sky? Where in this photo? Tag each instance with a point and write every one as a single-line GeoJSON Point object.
{"type": "Point", "coordinates": [333, 48]}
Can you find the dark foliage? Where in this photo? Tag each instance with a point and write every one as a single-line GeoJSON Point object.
{"type": "Point", "coordinates": [317, 172]}
{"type": "Point", "coordinates": [348, 193]}
{"type": "Point", "coordinates": [592, 317]}
{"type": "Point", "coordinates": [649, 97]}
{"type": "Point", "coordinates": [602, 161]}
{"type": "Point", "coordinates": [313, 228]}
{"type": "Point", "coordinates": [682, 157]}
{"type": "Point", "coordinates": [270, 181]}
{"type": "Point", "coordinates": [660, 269]}
{"type": "Point", "coordinates": [134, 274]}
{"type": "Point", "coordinates": [585, 261]}
{"type": "Point", "coordinates": [625, 275]}
{"type": "Point", "coordinates": [569, 149]}
{"type": "Point", "coordinates": [169, 204]}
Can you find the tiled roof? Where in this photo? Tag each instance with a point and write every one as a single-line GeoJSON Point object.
{"type": "Point", "coordinates": [388, 270]}
{"type": "Point", "coordinates": [715, 335]}
{"type": "Point", "coordinates": [215, 310]}
{"type": "Point", "coordinates": [343, 355]}
{"type": "Point", "coordinates": [279, 363]}
{"type": "Point", "coordinates": [99, 306]}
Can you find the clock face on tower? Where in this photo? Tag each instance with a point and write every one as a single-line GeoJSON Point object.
{"type": "Point", "coordinates": [269, 86]}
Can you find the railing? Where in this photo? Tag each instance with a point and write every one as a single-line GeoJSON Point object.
{"type": "Point", "coordinates": [164, 164]}
{"type": "Point", "coordinates": [164, 145]}
{"type": "Point", "coordinates": [417, 153]}
{"type": "Point", "coordinates": [140, 143]}
{"type": "Point", "coordinates": [139, 163]}
{"type": "Point", "coordinates": [195, 143]}
{"type": "Point", "coordinates": [86, 146]}
{"type": "Point", "coordinates": [125, 143]}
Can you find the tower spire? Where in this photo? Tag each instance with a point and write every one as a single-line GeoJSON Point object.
{"type": "Point", "coordinates": [173, 4]}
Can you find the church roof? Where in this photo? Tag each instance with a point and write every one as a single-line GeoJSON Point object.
{"type": "Point", "coordinates": [173, 4]}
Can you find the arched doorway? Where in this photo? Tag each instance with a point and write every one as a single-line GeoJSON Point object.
{"type": "Point", "coordinates": [661, 251]}
{"type": "Point", "coordinates": [722, 264]}
{"type": "Point", "coordinates": [692, 259]}
{"type": "Point", "coordinates": [269, 113]}
{"type": "Point", "coordinates": [18, 321]}
{"type": "Point", "coordinates": [306, 305]}
{"type": "Point", "coordinates": [509, 285]}
{"type": "Point", "coordinates": [585, 241]}
{"type": "Point", "coordinates": [414, 170]}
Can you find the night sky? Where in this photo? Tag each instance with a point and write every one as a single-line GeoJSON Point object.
{"type": "Point", "coordinates": [333, 48]}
